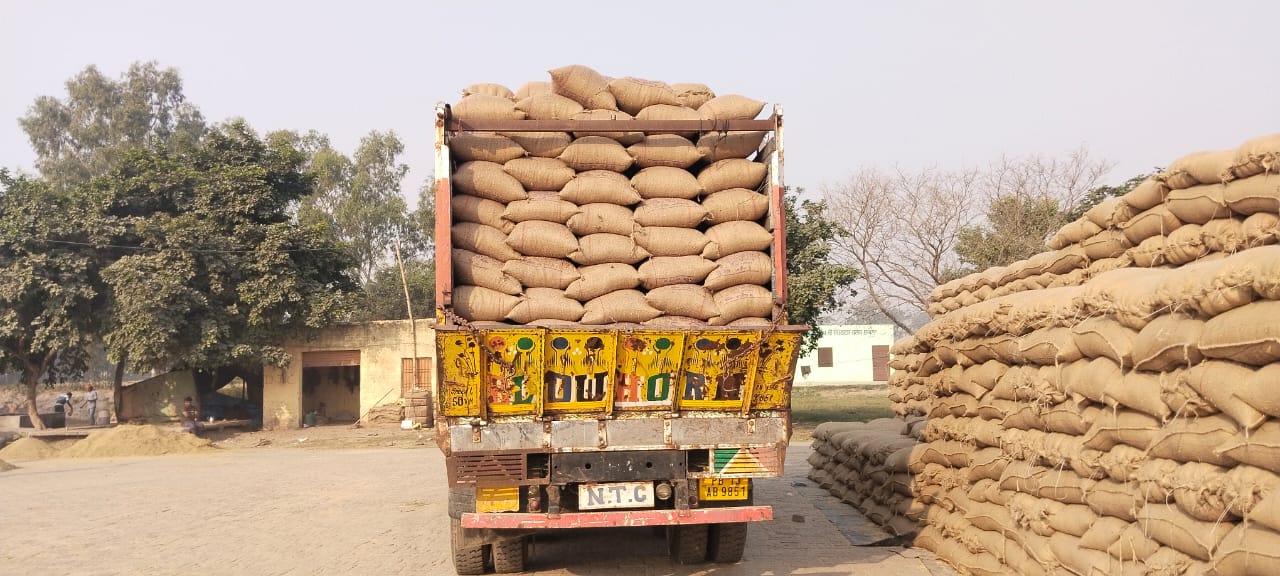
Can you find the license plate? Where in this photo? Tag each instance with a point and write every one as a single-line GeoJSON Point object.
{"type": "Point", "coordinates": [505, 499]}
{"type": "Point", "coordinates": [723, 488]}
{"type": "Point", "coordinates": [615, 495]}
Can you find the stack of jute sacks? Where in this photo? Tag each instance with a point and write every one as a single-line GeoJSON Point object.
{"type": "Point", "coordinates": [615, 227]}
{"type": "Point", "coordinates": [867, 465]}
{"type": "Point", "coordinates": [1113, 406]}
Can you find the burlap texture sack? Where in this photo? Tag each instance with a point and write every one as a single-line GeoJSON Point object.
{"type": "Point", "coordinates": [1260, 229]}
{"type": "Point", "coordinates": [634, 94]}
{"type": "Point", "coordinates": [1199, 204]}
{"type": "Point", "coordinates": [665, 150]}
{"type": "Point", "coordinates": [483, 239]}
{"type": "Point", "coordinates": [1157, 221]}
{"type": "Point", "coordinates": [1105, 244]}
{"type": "Point", "coordinates": [742, 301]}
{"type": "Point", "coordinates": [596, 153]}
{"type": "Point", "coordinates": [666, 182]}
{"type": "Point", "coordinates": [670, 212]}
{"type": "Point", "coordinates": [717, 146]}
{"type": "Point", "coordinates": [548, 107]}
{"type": "Point", "coordinates": [1138, 391]}
{"type": "Point", "coordinates": [732, 173]}
{"type": "Point", "coordinates": [599, 218]}
{"type": "Point", "coordinates": [1257, 391]}
{"type": "Point", "coordinates": [532, 88]}
{"type": "Point", "coordinates": [1102, 337]}
{"type": "Point", "coordinates": [1248, 551]}
{"type": "Point", "coordinates": [666, 241]}
{"type": "Point", "coordinates": [733, 237]}
{"type": "Point", "coordinates": [667, 112]}
{"type": "Point", "coordinates": [489, 147]}
{"type": "Point", "coordinates": [730, 107]}
{"type": "Point", "coordinates": [1248, 334]}
{"type": "Point", "coordinates": [619, 306]}
{"type": "Point", "coordinates": [1259, 448]}
{"type": "Point", "coordinates": [483, 271]}
{"type": "Point", "coordinates": [1209, 167]}
{"type": "Point", "coordinates": [1168, 525]}
{"type": "Point", "coordinates": [741, 268]}
{"type": "Point", "coordinates": [1110, 213]}
{"type": "Point", "coordinates": [1195, 439]}
{"type": "Point", "coordinates": [692, 95]}
{"type": "Point", "coordinates": [1073, 232]}
{"type": "Point", "coordinates": [1224, 235]}
{"type": "Point", "coordinates": [546, 206]}
{"type": "Point", "coordinates": [600, 187]}
{"type": "Point", "coordinates": [1168, 342]}
{"type": "Point", "coordinates": [608, 248]}
{"type": "Point", "coordinates": [1185, 245]}
{"type": "Point", "coordinates": [467, 208]}
{"type": "Point", "coordinates": [1149, 194]}
{"type": "Point", "coordinates": [542, 238]}
{"type": "Point", "coordinates": [584, 85]}
{"type": "Point", "coordinates": [624, 138]}
{"type": "Point", "coordinates": [546, 304]}
{"type": "Point", "coordinates": [1259, 193]}
{"type": "Point", "coordinates": [675, 322]}
{"type": "Point", "coordinates": [1257, 156]}
{"type": "Point", "coordinates": [541, 144]}
{"type": "Point", "coordinates": [488, 180]}
{"type": "Point", "coordinates": [539, 173]}
{"type": "Point", "coordinates": [601, 279]}
{"type": "Point", "coordinates": [485, 107]}
{"type": "Point", "coordinates": [478, 304]}
{"type": "Point", "coordinates": [736, 204]}
{"type": "Point", "coordinates": [667, 270]}
{"type": "Point", "coordinates": [1220, 382]}
{"type": "Point", "coordinates": [1123, 426]}
{"type": "Point", "coordinates": [488, 89]}
{"type": "Point", "coordinates": [534, 272]}
{"type": "Point", "coordinates": [689, 300]}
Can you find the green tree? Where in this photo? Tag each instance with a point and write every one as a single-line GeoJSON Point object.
{"type": "Point", "coordinates": [1101, 193]}
{"type": "Point", "coordinates": [815, 283]}
{"type": "Point", "coordinates": [85, 134]}
{"type": "Point", "coordinates": [46, 285]}
{"type": "Point", "coordinates": [1016, 229]}
{"type": "Point", "coordinates": [383, 298]}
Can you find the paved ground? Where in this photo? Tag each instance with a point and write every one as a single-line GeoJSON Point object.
{"type": "Point", "coordinates": [283, 511]}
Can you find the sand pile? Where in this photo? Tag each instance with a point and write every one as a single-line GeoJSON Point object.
{"type": "Point", "coordinates": [5, 466]}
{"type": "Point", "coordinates": [28, 448]}
{"type": "Point", "coordinates": [135, 441]}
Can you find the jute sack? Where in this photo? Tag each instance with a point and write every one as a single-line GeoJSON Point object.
{"type": "Point", "coordinates": [546, 304]}
{"type": "Point", "coordinates": [1267, 511]}
{"type": "Point", "coordinates": [1260, 229]}
{"type": "Point", "coordinates": [662, 271]}
{"type": "Point", "coordinates": [1260, 448]}
{"type": "Point", "coordinates": [730, 107]}
{"type": "Point", "coordinates": [1209, 167]}
{"type": "Point", "coordinates": [488, 89]}
{"type": "Point", "coordinates": [541, 144]}
{"type": "Point", "coordinates": [1102, 337]}
{"type": "Point", "coordinates": [1168, 342]}
{"type": "Point", "coordinates": [1246, 487]}
{"type": "Point", "coordinates": [596, 153]}
{"type": "Point", "coordinates": [608, 248]}
{"type": "Point", "coordinates": [1259, 390]}
{"type": "Point", "coordinates": [670, 212]}
{"type": "Point", "coordinates": [1248, 334]}
{"type": "Point", "coordinates": [742, 301]}
{"type": "Point", "coordinates": [733, 237]}
{"type": "Point", "coordinates": [1110, 213]}
{"type": "Point", "coordinates": [541, 206]}
{"type": "Point", "coordinates": [584, 85]}
{"type": "Point", "coordinates": [541, 238]}
{"type": "Point", "coordinates": [1065, 418]}
{"type": "Point", "coordinates": [1195, 439]}
{"type": "Point", "coordinates": [666, 182]}
{"type": "Point", "coordinates": [1197, 490]}
{"type": "Point", "coordinates": [1073, 232]}
{"type": "Point", "coordinates": [1224, 235]}
{"type": "Point", "coordinates": [1170, 526]}
{"type": "Point", "coordinates": [635, 94]}
{"type": "Point", "coordinates": [1169, 561]}
{"type": "Point", "coordinates": [1078, 560]}
{"type": "Point", "coordinates": [675, 322]}
{"type": "Point", "coordinates": [1199, 204]}
{"type": "Point", "coordinates": [1103, 533]}
{"type": "Point", "coordinates": [1138, 391]}
{"type": "Point", "coordinates": [534, 272]}
{"type": "Point", "coordinates": [741, 268]}
{"type": "Point", "coordinates": [1259, 193]}
{"type": "Point", "coordinates": [602, 279]}
{"type": "Point", "coordinates": [467, 208]}
{"type": "Point", "coordinates": [539, 173]}
{"type": "Point", "coordinates": [692, 95]}
{"type": "Point", "coordinates": [1113, 500]}
{"type": "Point", "coordinates": [667, 241]}
{"type": "Point", "coordinates": [986, 374]}
{"type": "Point", "coordinates": [732, 173]}
{"type": "Point", "coordinates": [668, 112]}
{"type": "Point", "coordinates": [623, 138]}
{"type": "Point", "coordinates": [483, 239]}
{"type": "Point", "coordinates": [1157, 221]}
{"type": "Point", "coordinates": [1186, 244]}
{"type": "Point", "coordinates": [735, 204]}
{"type": "Point", "coordinates": [665, 150]}
{"type": "Point", "coordinates": [716, 146]}
{"type": "Point", "coordinates": [1150, 193]}
{"type": "Point", "coordinates": [1221, 383]}
{"type": "Point", "coordinates": [600, 218]}
{"type": "Point", "coordinates": [1210, 287]}
{"type": "Point", "coordinates": [485, 107]}
{"type": "Point", "coordinates": [1122, 427]}
{"type": "Point", "coordinates": [600, 187]}
{"type": "Point", "coordinates": [1105, 244]}
{"type": "Point", "coordinates": [478, 304]}
{"type": "Point", "coordinates": [1266, 275]}
{"type": "Point", "coordinates": [1248, 551]}
{"type": "Point", "coordinates": [1133, 546]}
{"type": "Point", "coordinates": [489, 147]}
{"type": "Point", "coordinates": [1062, 261]}
{"type": "Point", "coordinates": [1073, 519]}
{"type": "Point", "coordinates": [488, 180]}
{"type": "Point", "coordinates": [532, 88]}
{"type": "Point", "coordinates": [548, 107]}
{"type": "Point", "coordinates": [483, 271]}
{"type": "Point", "coordinates": [1049, 347]}
{"type": "Point", "coordinates": [1257, 156]}
{"type": "Point", "coordinates": [689, 300]}
{"type": "Point", "coordinates": [619, 306]}
{"type": "Point", "coordinates": [751, 322]}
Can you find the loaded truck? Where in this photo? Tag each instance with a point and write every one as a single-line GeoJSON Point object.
{"type": "Point", "coordinates": [557, 426]}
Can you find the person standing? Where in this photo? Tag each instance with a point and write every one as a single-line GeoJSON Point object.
{"type": "Point", "coordinates": [91, 404]}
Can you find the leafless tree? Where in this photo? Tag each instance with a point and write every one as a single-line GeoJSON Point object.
{"type": "Point", "coordinates": [1066, 180]}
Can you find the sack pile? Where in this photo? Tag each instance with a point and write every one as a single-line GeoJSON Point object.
{"type": "Point", "coordinates": [1115, 398]}
{"type": "Point", "coordinates": [620, 227]}
{"type": "Point", "coordinates": [867, 465]}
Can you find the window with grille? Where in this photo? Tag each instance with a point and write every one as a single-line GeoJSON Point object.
{"type": "Point", "coordinates": [415, 381]}
{"type": "Point", "coordinates": [825, 358]}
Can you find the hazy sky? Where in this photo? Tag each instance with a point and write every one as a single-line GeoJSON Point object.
{"type": "Point", "coordinates": [942, 83]}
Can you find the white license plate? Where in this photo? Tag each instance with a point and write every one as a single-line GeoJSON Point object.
{"type": "Point", "coordinates": [615, 495]}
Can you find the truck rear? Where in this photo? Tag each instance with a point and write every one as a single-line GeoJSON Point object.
{"type": "Point", "coordinates": [560, 425]}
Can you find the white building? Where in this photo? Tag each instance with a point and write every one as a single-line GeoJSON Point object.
{"type": "Point", "coordinates": [847, 354]}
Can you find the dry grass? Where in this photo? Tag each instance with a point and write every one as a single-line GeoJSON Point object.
{"type": "Point", "coordinates": [813, 405]}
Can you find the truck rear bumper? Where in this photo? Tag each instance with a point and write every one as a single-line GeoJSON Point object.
{"type": "Point", "coordinates": [604, 519]}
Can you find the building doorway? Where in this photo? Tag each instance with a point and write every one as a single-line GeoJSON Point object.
{"type": "Point", "coordinates": [330, 387]}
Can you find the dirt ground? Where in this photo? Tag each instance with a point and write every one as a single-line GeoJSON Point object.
{"type": "Point", "coordinates": [343, 500]}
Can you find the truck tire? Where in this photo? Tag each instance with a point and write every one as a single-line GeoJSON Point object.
{"type": "Point", "coordinates": [688, 543]}
{"type": "Point", "coordinates": [466, 559]}
{"type": "Point", "coordinates": [726, 542]}
{"type": "Point", "coordinates": [509, 556]}
{"type": "Point", "coordinates": [461, 500]}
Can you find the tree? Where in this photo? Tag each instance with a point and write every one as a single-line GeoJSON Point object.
{"type": "Point", "coordinates": [814, 282]}
{"type": "Point", "coordinates": [1016, 229]}
{"type": "Point", "coordinates": [220, 273]}
{"type": "Point", "coordinates": [1101, 193]}
{"type": "Point", "coordinates": [383, 297]}
{"type": "Point", "coordinates": [46, 285]}
{"type": "Point", "coordinates": [85, 135]}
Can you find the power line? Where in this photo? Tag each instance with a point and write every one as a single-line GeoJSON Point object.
{"type": "Point", "coordinates": [186, 250]}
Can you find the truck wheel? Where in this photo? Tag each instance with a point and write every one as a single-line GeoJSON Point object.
{"type": "Point", "coordinates": [466, 559]}
{"type": "Point", "coordinates": [509, 556]}
{"type": "Point", "coordinates": [688, 543]}
{"type": "Point", "coordinates": [726, 542]}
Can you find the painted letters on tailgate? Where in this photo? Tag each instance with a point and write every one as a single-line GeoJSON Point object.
{"type": "Point", "coordinates": [718, 370]}
{"type": "Point", "coordinates": [580, 366]}
{"type": "Point", "coordinates": [459, 373]}
{"type": "Point", "coordinates": [772, 389]}
{"type": "Point", "coordinates": [513, 370]}
{"type": "Point", "coordinates": [648, 366]}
